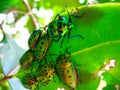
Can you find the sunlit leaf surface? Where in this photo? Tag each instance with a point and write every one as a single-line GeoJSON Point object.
{"type": "Point", "coordinates": [99, 25]}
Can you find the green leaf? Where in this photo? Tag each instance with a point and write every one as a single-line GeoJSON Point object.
{"type": "Point", "coordinates": [99, 25]}
{"type": "Point", "coordinates": [60, 6]}
{"type": "Point", "coordinates": [107, 1]}
{"type": "Point", "coordinates": [21, 6]}
{"type": "Point", "coordinates": [109, 87]}
{"type": "Point", "coordinates": [61, 3]}
{"type": "Point", "coordinates": [110, 78]}
{"type": "Point", "coordinates": [6, 4]}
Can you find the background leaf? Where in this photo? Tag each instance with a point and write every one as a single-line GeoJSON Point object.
{"type": "Point", "coordinates": [6, 4]}
{"type": "Point", "coordinates": [106, 1]}
{"type": "Point", "coordinates": [10, 54]}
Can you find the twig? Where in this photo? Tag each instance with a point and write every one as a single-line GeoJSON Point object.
{"type": "Point", "coordinates": [13, 70]}
{"type": "Point", "coordinates": [5, 78]}
{"type": "Point", "coordinates": [4, 34]}
{"type": "Point", "coordinates": [20, 12]}
{"type": "Point", "coordinates": [31, 14]}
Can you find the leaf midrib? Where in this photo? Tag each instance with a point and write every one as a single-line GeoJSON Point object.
{"type": "Point", "coordinates": [96, 46]}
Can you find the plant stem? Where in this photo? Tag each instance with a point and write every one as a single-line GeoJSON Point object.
{"type": "Point", "coordinates": [6, 78]}
{"type": "Point", "coordinates": [4, 34]}
{"type": "Point", "coordinates": [31, 14]}
{"type": "Point", "coordinates": [12, 71]}
{"type": "Point", "coordinates": [20, 12]}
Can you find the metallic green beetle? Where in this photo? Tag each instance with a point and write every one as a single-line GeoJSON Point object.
{"type": "Point", "coordinates": [59, 27]}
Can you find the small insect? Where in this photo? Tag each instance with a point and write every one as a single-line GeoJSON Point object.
{"type": "Point", "coordinates": [34, 37]}
{"type": "Point", "coordinates": [42, 76]}
{"type": "Point", "coordinates": [39, 43]}
{"type": "Point", "coordinates": [66, 71]}
{"type": "Point", "coordinates": [27, 59]}
{"type": "Point", "coordinates": [26, 73]}
{"type": "Point", "coordinates": [60, 27]}
{"type": "Point", "coordinates": [41, 47]}
{"type": "Point", "coordinates": [46, 73]}
{"type": "Point", "coordinates": [29, 81]}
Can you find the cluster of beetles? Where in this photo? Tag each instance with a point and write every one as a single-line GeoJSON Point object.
{"type": "Point", "coordinates": [36, 71]}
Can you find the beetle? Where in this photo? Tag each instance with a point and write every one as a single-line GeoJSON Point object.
{"type": "Point", "coordinates": [34, 37]}
{"type": "Point", "coordinates": [41, 44]}
{"type": "Point", "coordinates": [60, 27]}
{"type": "Point", "coordinates": [29, 81]}
{"type": "Point", "coordinates": [27, 59]}
{"type": "Point", "coordinates": [42, 76]}
{"type": "Point", "coordinates": [41, 47]}
{"type": "Point", "coordinates": [65, 70]}
{"type": "Point", "coordinates": [46, 73]}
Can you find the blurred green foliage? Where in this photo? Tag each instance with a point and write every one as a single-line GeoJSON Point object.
{"type": "Point", "coordinates": [107, 1]}
{"type": "Point", "coordinates": [6, 4]}
{"type": "Point", "coordinates": [57, 7]}
{"type": "Point", "coordinates": [4, 85]}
